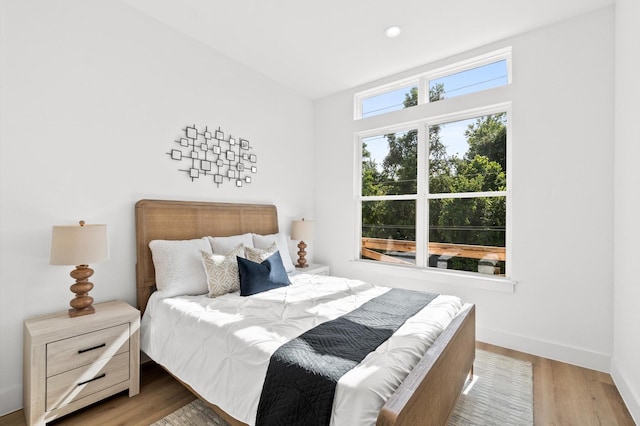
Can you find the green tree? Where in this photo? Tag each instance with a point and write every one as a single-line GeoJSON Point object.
{"type": "Point", "coordinates": [400, 166]}
{"type": "Point", "coordinates": [479, 174]}
{"type": "Point", "coordinates": [372, 180]}
{"type": "Point", "coordinates": [488, 137]}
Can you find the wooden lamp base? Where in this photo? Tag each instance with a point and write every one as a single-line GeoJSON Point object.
{"type": "Point", "coordinates": [82, 304]}
{"type": "Point", "coordinates": [302, 262]}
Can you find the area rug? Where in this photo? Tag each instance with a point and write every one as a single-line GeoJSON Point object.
{"type": "Point", "coordinates": [500, 393]}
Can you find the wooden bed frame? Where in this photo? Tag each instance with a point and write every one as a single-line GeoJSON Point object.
{"type": "Point", "coordinates": [428, 394]}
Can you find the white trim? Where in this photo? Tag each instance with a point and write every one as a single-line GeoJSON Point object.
{"type": "Point", "coordinates": [357, 195]}
{"type": "Point", "coordinates": [422, 204]}
{"type": "Point", "coordinates": [10, 399]}
{"type": "Point", "coordinates": [406, 126]}
{"type": "Point", "coordinates": [552, 350]}
{"type": "Point", "coordinates": [509, 212]}
{"type": "Point", "coordinates": [423, 90]}
{"type": "Point", "coordinates": [450, 277]}
{"type": "Point", "coordinates": [465, 114]}
{"type": "Point", "coordinates": [629, 395]}
{"type": "Point", "coordinates": [388, 197]}
{"type": "Point", "coordinates": [467, 194]}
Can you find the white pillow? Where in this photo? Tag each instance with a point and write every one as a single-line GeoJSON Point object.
{"type": "Point", "coordinates": [222, 271]}
{"type": "Point", "coordinates": [264, 241]}
{"type": "Point", "coordinates": [259, 255]}
{"type": "Point", "coordinates": [178, 266]}
{"type": "Point", "coordinates": [223, 245]}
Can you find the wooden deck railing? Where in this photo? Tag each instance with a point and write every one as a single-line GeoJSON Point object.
{"type": "Point", "coordinates": [369, 245]}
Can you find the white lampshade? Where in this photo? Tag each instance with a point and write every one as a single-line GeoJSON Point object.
{"type": "Point", "coordinates": [79, 244]}
{"type": "Point", "coordinates": [303, 230]}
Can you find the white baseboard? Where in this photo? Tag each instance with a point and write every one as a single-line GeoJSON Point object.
{"type": "Point", "coordinates": [629, 395]}
{"type": "Point", "coordinates": [10, 400]}
{"type": "Point", "coordinates": [552, 350]}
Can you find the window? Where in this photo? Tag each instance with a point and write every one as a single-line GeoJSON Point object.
{"type": "Point", "coordinates": [467, 194]}
{"type": "Point", "coordinates": [434, 194]}
{"type": "Point", "coordinates": [389, 189]}
{"type": "Point", "coordinates": [475, 75]}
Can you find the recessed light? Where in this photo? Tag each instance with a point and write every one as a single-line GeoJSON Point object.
{"type": "Point", "coordinates": [392, 31]}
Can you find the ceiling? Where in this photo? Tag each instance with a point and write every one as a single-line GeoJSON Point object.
{"type": "Point", "coordinates": [322, 47]}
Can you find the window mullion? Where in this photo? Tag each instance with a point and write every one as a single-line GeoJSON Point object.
{"type": "Point", "coordinates": [421, 203]}
{"type": "Point", "coordinates": [423, 90]}
{"type": "Point", "coordinates": [388, 197]}
{"type": "Point", "coordinates": [509, 218]}
{"type": "Point", "coordinates": [468, 194]}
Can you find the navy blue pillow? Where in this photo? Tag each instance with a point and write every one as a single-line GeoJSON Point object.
{"type": "Point", "coordinates": [258, 277]}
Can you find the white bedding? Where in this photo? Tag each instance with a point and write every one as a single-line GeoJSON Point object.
{"type": "Point", "coordinates": [221, 347]}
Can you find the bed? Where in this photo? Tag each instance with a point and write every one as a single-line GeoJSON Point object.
{"type": "Point", "coordinates": [430, 390]}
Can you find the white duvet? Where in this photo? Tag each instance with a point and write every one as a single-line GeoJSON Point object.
{"type": "Point", "coordinates": [221, 347]}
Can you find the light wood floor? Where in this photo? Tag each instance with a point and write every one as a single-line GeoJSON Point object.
{"type": "Point", "coordinates": [563, 395]}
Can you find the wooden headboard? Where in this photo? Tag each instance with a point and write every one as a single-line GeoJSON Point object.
{"type": "Point", "coordinates": [185, 220]}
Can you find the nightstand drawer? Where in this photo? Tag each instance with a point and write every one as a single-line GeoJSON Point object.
{"type": "Point", "coordinates": [78, 383]}
{"type": "Point", "coordinates": [67, 354]}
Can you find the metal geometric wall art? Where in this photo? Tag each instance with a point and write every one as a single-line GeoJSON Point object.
{"type": "Point", "coordinates": [212, 153]}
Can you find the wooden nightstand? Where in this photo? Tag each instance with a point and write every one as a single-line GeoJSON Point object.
{"type": "Point", "coordinates": [70, 363]}
{"type": "Point", "coordinates": [315, 268]}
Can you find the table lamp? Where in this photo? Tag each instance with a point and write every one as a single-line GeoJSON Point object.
{"type": "Point", "coordinates": [302, 230]}
{"type": "Point", "coordinates": [79, 246]}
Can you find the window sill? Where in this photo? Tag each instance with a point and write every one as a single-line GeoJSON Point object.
{"type": "Point", "coordinates": [448, 277]}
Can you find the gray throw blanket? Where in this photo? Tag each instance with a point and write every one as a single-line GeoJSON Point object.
{"type": "Point", "coordinates": [301, 379]}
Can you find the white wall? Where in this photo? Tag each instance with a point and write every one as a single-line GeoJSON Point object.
{"type": "Point", "coordinates": [562, 163]}
{"type": "Point", "coordinates": [93, 96]}
{"type": "Point", "coordinates": [626, 319]}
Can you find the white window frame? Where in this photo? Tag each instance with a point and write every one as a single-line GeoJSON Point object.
{"type": "Point", "coordinates": [422, 80]}
{"type": "Point", "coordinates": [423, 196]}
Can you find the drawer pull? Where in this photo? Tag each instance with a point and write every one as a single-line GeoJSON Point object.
{"type": "Point", "coordinates": [91, 380]}
{"type": "Point", "coordinates": [81, 351]}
